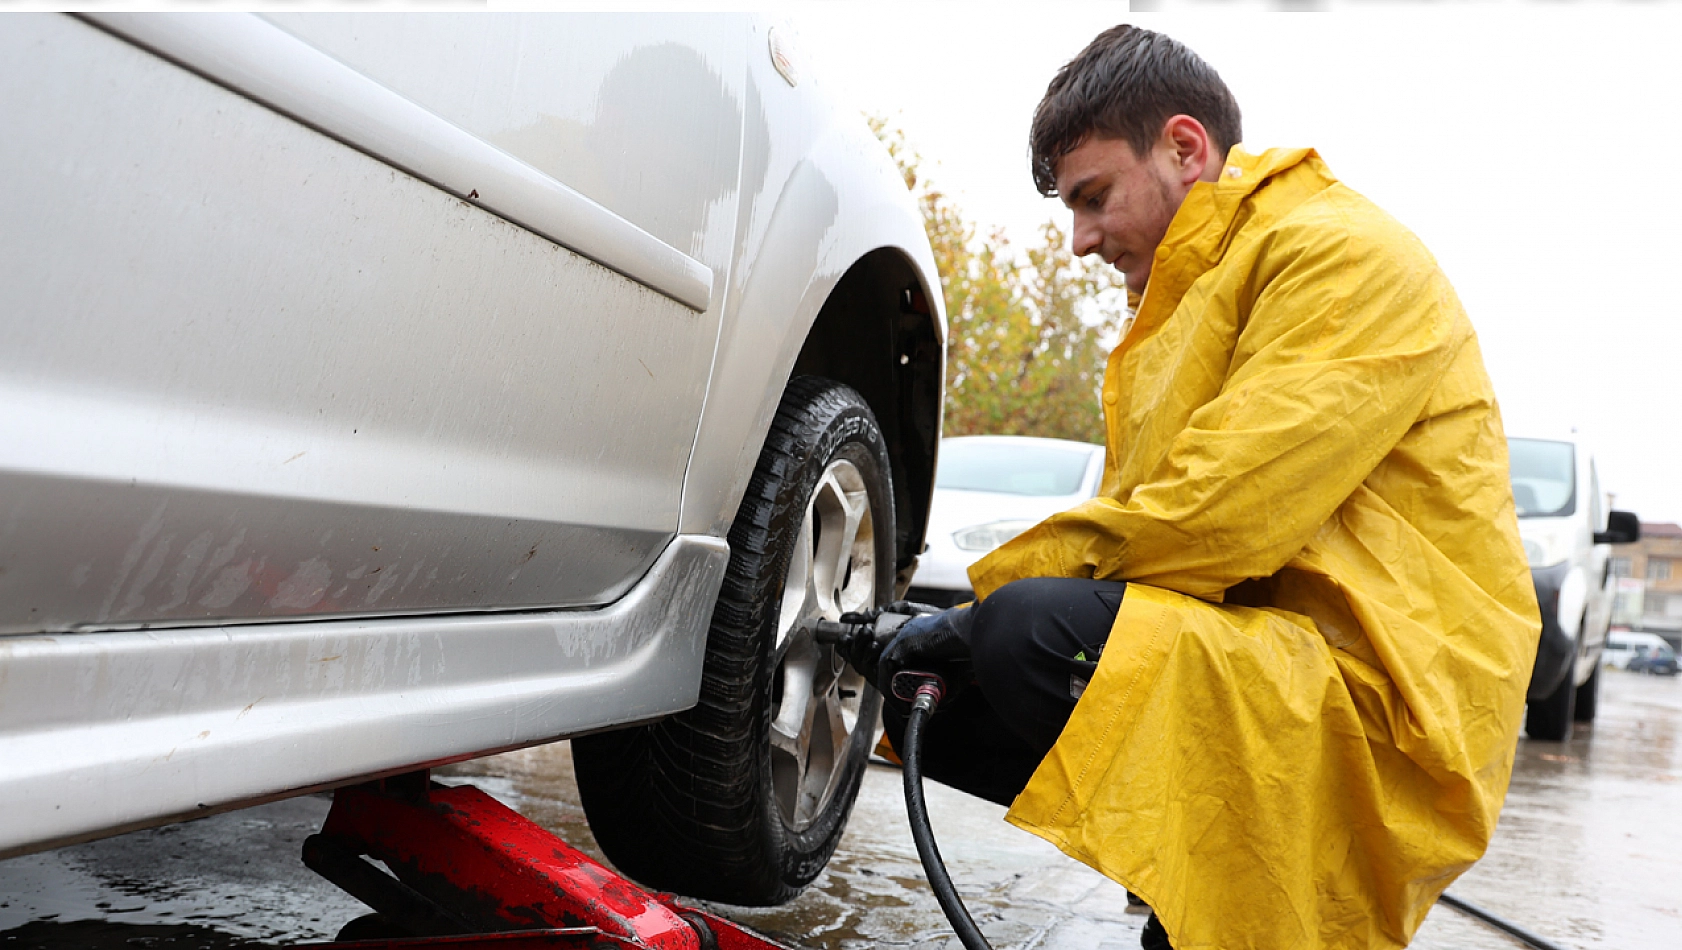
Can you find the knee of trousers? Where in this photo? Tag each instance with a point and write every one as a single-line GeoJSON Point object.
{"type": "Point", "coordinates": [1004, 640]}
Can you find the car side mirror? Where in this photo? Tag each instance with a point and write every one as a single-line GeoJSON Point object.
{"type": "Point", "coordinates": [1622, 527]}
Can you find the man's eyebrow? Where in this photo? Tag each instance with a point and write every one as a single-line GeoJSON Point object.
{"type": "Point", "coordinates": [1073, 194]}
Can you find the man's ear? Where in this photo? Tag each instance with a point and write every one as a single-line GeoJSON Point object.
{"type": "Point", "coordinates": [1191, 149]}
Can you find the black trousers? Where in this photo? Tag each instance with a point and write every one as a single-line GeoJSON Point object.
{"type": "Point", "coordinates": [1035, 644]}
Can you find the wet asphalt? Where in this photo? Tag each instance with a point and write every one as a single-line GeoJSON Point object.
{"type": "Point", "coordinates": [1588, 854]}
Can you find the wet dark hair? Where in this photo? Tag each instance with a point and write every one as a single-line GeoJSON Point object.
{"type": "Point", "coordinates": [1126, 85]}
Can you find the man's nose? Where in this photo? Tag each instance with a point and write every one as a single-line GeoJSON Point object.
{"type": "Point", "coordinates": [1087, 237]}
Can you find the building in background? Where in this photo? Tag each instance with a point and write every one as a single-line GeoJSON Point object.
{"type": "Point", "coordinates": [1650, 586]}
{"type": "Point", "coordinates": [1628, 601]}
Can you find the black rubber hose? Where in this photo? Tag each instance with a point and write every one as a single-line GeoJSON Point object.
{"type": "Point", "coordinates": [1498, 922]}
{"type": "Point", "coordinates": [917, 811]}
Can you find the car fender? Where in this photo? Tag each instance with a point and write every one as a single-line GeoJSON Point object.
{"type": "Point", "coordinates": [817, 229]}
{"type": "Point", "coordinates": [1556, 648]}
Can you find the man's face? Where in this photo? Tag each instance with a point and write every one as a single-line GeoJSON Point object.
{"type": "Point", "coordinates": [1123, 202]}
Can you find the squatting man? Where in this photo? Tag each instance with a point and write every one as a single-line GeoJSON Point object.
{"type": "Point", "coordinates": [1271, 678]}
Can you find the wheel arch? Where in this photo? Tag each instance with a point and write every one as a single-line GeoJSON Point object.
{"type": "Point", "coordinates": [836, 279]}
{"type": "Point", "coordinates": [877, 333]}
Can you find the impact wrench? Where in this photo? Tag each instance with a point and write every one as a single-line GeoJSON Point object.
{"type": "Point", "coordinates": [924, 691]}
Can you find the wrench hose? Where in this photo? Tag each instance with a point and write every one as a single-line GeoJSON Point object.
{"type": "Point", "coordinates": [918, 813]}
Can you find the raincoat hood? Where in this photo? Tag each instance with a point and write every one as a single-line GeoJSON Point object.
{"type": "Point", "coordinates": [1303, 726]}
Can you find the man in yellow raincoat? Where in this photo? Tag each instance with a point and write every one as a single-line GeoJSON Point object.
{"type": "Point", "coordinates": [1271, 678]}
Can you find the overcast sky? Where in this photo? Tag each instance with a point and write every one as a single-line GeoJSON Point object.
{"type": "Point", "coordinates": [1535, 152]}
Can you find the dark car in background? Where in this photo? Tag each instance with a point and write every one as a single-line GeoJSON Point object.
{"type": "Point", "coordinates": [1659, 661]}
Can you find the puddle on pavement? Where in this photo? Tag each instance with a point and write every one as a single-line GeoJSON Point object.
{"type": "Point", "coordinates": [103, 934]}
{"type": "Point", "coordinates": [1584, 856]}
{"type": "Point", "coordinates": [1584, 853]}
{"type": "Point", "coordinates": [236, 878]}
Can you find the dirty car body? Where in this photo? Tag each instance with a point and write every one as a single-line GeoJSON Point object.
{"type": "Point", "coordinates": [380, 391]}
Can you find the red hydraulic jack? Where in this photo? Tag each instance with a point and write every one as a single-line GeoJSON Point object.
{"type": "Point", "coordinates": [466, 871]}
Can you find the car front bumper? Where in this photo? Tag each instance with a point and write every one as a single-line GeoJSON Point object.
{"type": "Point", "coordinates": [1556, 649]}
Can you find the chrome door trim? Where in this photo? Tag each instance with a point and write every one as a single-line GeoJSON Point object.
{"type": "Point", "coordinates": [260, 60]}
{"type": "Point", "coordinates": [109, 732]}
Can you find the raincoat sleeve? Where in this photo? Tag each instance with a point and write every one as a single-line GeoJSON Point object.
{"type": "Point", "coordinates": [1336, 354]}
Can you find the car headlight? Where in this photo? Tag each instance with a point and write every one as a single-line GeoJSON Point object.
{"type": "Point", "coordinates": [1545, 548]}
{"type": "Point", "coordinates": [986, 537]}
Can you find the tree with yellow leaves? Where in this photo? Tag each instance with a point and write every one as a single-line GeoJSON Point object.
{"type": "Point", "coordinates": [1027, 343]}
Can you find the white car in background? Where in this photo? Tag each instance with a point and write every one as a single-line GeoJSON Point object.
{"type": "Point", "coordinates": [1622, 646]}
{"type": "Point", "coordinates": [989, 489]}
{"type": "Point", "coordinates": [382, 391]}
{"type": "Point", "coordinates": [1568, 533]}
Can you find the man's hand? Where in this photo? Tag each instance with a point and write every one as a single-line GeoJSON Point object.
{"type": "Point", "coordinates": [932, 643]}
{"type": "Point", "coordinates": [864, 652]}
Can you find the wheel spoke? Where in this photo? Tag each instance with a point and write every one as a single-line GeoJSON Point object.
{"type": "Point", "coordinates": [788, 730]}
{"type": "Point", "coordinates": [855, 506]}
{"type": "Point", "coordinates": [833, 719]}
{"type": "Point", "coordinates": [827, 512]}
{"type": "Point", "coordinates": [797, 586]}
{"type": "Point", "coordinates": [843, 572]}
{"type": "Point", "coordinates": [858, 590]}
{"type": "Point", "coordinates": [832, 569]}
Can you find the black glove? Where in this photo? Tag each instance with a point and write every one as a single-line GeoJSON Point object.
{"type": "Point", "coordinates": [863, 652]}
{"type": "Point", "coordinates": [931, 643]}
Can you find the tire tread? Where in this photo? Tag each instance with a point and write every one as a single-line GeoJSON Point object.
{"type": "Point", "coordinates": [681, 804]}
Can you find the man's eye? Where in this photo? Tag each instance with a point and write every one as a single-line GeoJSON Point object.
{"type": "Point", "coordinates": [1095, 202]}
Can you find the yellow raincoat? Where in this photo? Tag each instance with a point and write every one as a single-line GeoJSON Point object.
{"type": "Point", "coordinates": [1303, 726]}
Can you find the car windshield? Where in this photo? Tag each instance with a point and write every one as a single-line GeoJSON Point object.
{"type": "Point", "coordinates": [1544, 477]}
{"type": "Point", "coordinates": [1011, 468]}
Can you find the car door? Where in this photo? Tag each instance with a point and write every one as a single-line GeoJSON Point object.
{"type": "Point", "coordinates": [353, 316]}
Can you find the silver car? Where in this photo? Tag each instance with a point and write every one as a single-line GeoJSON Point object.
{"type": "Point", "coordinates": [386, 391]}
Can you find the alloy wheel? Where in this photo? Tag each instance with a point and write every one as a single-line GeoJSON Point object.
{"type": "Point", "coordinates": [816, 697]}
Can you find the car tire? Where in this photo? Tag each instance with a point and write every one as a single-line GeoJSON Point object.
{"type": "Point", "coordinates": [1588, 697]}
{"type": "Point", "coordinates": [1549, 719]}
{"type": "Point", "coordinates": [743, 797]}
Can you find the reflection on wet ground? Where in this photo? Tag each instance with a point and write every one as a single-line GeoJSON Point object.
{"type": "Point", "coordinates": [1021, 891]}
{"type": "Point", "coordinates": [1585, 855]}
{"type": "Point", "coordinates": [218, 882]}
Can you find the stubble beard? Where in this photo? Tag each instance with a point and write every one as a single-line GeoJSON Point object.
{"type": "Point", "coordinates": [1169, 207]}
